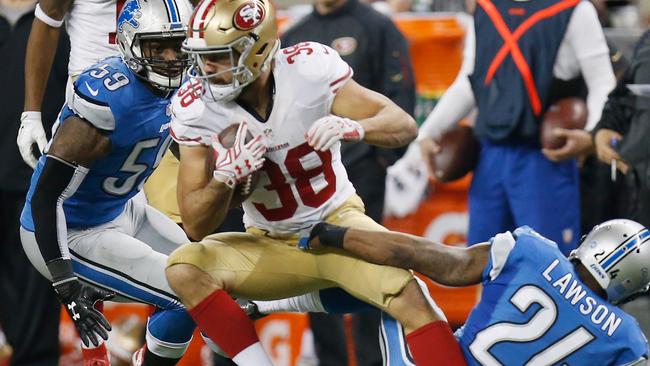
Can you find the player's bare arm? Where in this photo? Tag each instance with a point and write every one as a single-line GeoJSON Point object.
{"type": "Point", "coordinates": [444, 264]}
{"type": "Point", "coordinates": [41, 48]}
{"type": "Point", "coordinates": [203, 201]}
{"type": "Point", "coordinates": [78, 142]}
{"type": "Point", "coordinates": [385, 124]}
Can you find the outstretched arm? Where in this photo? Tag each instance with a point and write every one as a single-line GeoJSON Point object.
{"type": "Point", "coordinates": [444, 264]}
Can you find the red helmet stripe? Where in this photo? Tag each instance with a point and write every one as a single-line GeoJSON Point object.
{"type": "Point", "coordinates": [198, 21]}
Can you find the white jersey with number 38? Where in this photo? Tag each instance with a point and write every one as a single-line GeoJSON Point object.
{"type": "Point", "coordinates": [91, 26]}
{"type": "Point", "coordinates": [298, 186]}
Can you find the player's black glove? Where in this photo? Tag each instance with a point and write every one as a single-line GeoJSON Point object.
{"type": "Point", "coordinates": [79, 301]}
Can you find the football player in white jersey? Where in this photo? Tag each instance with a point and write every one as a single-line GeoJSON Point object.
{"type": "Point", "coordinates": [298, 104]}
{"type": "Point", "coordinates": [91, 26]}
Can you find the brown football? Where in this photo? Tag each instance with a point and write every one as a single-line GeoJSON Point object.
{"type": "Point", "coordinates": [244, 189]}
{"type": "Point", "coordinates": [569, 113]}
{"type": "Point", "coordinates": [458, 154]}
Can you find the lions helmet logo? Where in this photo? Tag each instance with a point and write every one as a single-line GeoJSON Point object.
{"type": "Point", "coordinates": [249, 15]}
{"type": "Point", "coordinates": [130, 15]}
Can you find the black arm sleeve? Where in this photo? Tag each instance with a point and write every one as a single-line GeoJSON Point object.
{"type": "Point", "coordinates": [58, 180]}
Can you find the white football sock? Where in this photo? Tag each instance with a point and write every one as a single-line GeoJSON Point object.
{"type": "Point", "coordinates": [253, 355]}
{"type": "Point", "coordinates": [308, 303]}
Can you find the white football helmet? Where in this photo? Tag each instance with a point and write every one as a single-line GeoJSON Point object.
{"type": "Point", "coordinates": [617, 254]}
{"type": "Point", "coordinates": [153, 20]}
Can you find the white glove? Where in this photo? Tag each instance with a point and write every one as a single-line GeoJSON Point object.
{"type": "Point", "coordinates": [30, 132]}
{"type": "Point", "coordinates": [406, 183]}
{"type": "Point", "coordinates": [326, 131]}
{"type": "Point", "coordinates": [236, 163]}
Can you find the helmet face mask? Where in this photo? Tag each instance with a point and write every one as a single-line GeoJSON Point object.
{"type": "Point", "coordinates": [617, 254]}
{"type": "Point", "coordinates": [161, 73]}
{"type": "Point", "coordinates": [231, 75]}
{"type": "Point", "coordinates": [143, 29]}
{"type": "Point", "coordinates": [231, 44]}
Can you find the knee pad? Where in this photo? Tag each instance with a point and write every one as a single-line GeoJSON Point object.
{"type": "Point", "coordinates": [169, 332]}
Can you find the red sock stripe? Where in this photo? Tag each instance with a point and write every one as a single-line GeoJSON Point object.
{"type": "Point", "coordinates": [220, 318]}
{"type": "Point", "coordinates": [435, 344]}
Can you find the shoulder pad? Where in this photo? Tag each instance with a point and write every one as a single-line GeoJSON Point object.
{"type": "Point", "coordinates": [315, 61]}
{"type": "Point", "coordinates": [318, 67]}
{"type": "Point", "coordinates": [502, 245]}
{"type": "Point", "coordinates": [528, 232]}
{"type": "Point", "coordinates": [188, 108]}
{"type": "Point", "coordinates": [98, 90]}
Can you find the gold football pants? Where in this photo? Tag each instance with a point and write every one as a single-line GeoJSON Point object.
{"type": "Point", "coordinates": [257, 266]}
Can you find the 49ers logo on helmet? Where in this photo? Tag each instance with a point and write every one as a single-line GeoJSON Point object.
{"type": "Point", "coordinates": [249, 15]}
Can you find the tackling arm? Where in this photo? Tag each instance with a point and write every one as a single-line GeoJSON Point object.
{"type": "Point", "coordinates": [444, 264]}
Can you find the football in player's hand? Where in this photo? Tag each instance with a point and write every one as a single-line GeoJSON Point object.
{"type": "Point", "coordinates": [568, 113]}
{"type": "Point", "coordinates": [458, 154]}
{"type": "Point", "coordinates": [244, 189]}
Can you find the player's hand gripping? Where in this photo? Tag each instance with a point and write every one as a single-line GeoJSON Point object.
{"type": "Point", "coordinates": [326, 131]}
{"type": "Point", "coordinates": [30, 132]}
{"type": "Point", "coordinates": [233, 165]}
{"type": "Point", "coordinates": [79, 301]}
{"type": "Point", "coordinates": [322, 235]}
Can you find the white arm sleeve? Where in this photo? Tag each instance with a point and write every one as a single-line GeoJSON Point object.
{"type": "Point", "coordinates": [458, 99]}
{"type": "Point", "coordinates": [585, 36]}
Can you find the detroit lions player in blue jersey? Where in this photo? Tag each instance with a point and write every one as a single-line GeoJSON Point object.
{"type": "Point", "coordinates": [537, 307]}
{"type": "Point", "coordinates": [83, 219]}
